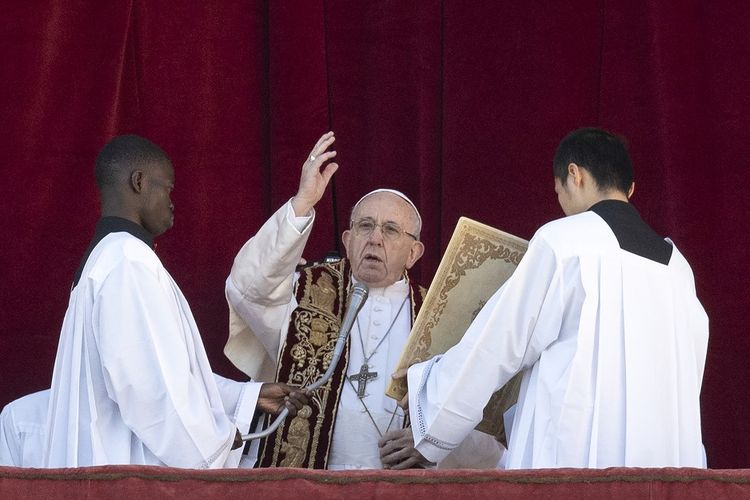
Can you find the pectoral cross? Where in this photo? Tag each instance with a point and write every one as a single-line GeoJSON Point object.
{"type": "Point", "coordinates": [364, 376]}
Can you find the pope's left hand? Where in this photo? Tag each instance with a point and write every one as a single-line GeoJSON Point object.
{"type": "Point", "coordinates": [397, 451]}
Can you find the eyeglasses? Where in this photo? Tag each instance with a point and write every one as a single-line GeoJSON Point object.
{"type": "Point", "coordinates": [390, 230]}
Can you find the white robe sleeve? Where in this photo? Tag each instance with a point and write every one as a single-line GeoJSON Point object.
{"type": "Point", "coordinates": [477, 451]}
{"type": "Point", "coordinates": [22, 430]}
{"type": "Point", "coordinates": [239, 400]}
{"type": "Point", "coordinates": [10, 455]}
{"type": "Point", "coordinates": [448, 393]}
{"type": "Point", "coordinates": [149, 370]}
{"type": "Point", "coordinates": [259, 292]}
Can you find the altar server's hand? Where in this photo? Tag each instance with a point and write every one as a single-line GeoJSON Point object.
{"type": "Point", "coordinates": [313, 181]}
{"type": "Point", "coordinates": [397, 451]}
{"type": "Point", "coordinates": [237, 440]}
{"type": "Point", "coordinates": [275, 396]}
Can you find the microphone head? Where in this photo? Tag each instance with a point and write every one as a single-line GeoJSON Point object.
{"type": "Point", "coordinates": [359, 295]}
{"type": "Point", "coordinates": [357, 299]}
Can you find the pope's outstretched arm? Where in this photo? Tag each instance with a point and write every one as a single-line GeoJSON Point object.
{"type": "Point", "coordinates": [259, 289]}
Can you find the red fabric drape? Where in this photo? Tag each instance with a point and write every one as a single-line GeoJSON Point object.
{"type": "Point", "coordinates": [459, 105]}
{"type": "Point", "coordinates": [127, 481]}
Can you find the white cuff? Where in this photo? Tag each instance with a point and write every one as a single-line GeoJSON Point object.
{"type": "Point", "coordinates": [432, 448]}
{"type": "Point", "coordinates": [301, 224]}
{"type": "Point", "coordinates": [243, 416]}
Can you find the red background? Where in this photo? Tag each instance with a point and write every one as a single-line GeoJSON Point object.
{"type": "Point", "coordinates": [458, 104]}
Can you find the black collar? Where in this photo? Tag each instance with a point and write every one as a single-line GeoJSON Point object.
{"type": "Point", "coordinates": [107, 225]}
{"type": "Point", "coordinates": [632, 233]}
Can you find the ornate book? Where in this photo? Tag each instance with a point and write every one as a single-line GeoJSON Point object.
{"type": "Point", "coordinates": [478, 260]}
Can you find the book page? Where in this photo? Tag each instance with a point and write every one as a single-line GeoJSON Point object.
{"type": "Point", "coordinates": [478, 260]}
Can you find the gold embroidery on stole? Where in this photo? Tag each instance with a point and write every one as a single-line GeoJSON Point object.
{"type": "Point", "coordinates": [312, 336]}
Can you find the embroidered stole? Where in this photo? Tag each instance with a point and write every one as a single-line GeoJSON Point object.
{"type": "Point", "coordinates": [322, 292]}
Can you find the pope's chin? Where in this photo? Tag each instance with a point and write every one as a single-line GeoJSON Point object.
{"type": "Point", "coordinates": [370, 272]}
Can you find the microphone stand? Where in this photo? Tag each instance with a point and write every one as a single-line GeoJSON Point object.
{"type": "Point", "coordinates": [358, 298]}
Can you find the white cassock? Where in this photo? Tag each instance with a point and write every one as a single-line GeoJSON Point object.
{"type": "Point", "coordinates": [131, 382]}
{"type": "Point", "coordinates": [261, 299]}
{"type": "Point", "coordinates": [613, 345]}
{"type": "Point", "coordinates": [22, 430]}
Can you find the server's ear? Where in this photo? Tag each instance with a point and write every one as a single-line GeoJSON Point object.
{"type": "Point", "coordinates": [137, 180]}
{"type": "Point", "coordinates": [631, 190]}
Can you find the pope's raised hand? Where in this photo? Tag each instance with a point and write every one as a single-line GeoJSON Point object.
{"type": "Point", "coordinates": [313, 181]}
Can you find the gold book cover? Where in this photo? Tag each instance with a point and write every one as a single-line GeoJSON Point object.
{"type": "Point", "coordinates": [478, 260]}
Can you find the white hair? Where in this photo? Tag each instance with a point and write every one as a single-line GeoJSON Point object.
{"type": "Point", "coordinates": [400, 195]}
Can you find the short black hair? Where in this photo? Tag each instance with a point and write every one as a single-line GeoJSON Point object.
{"type": "Point", "coordinates": [603, 154]}
{"type": "Point", "coordinates": [123, 153]}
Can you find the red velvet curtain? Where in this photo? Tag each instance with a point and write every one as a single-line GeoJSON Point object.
{"type": "Point", "coordinates": [460, 105]}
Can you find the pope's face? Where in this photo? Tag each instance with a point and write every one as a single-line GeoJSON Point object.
{"type": "Point", "coordinates": [378, 260]}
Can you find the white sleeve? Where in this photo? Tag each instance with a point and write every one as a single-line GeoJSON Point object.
{"type": "Point", "coordinates": [147, 370]}
{"type": "Point", "coordinates": [259, 292]}
{"type": "Point", "coordinates": [239, 400]}
{"type": "Point", "coordinates": [22, 424]}
{"type": "Point", "coordinates": [448, 393]}
{"type": "Point", "coordinates": [477, 451]}
{"type": "Point", "coordinates": [10, 454]}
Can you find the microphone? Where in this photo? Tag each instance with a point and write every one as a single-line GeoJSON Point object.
{"type": "Point", "coordinates": [356, 301]}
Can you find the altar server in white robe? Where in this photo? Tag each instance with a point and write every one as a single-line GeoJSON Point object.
{"type": "Point", "coordinates": [603, 319]}
{"type": "Point", "coordinates": [132, 383]}
{"type": "Point", "coordinates": [381, 245]}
